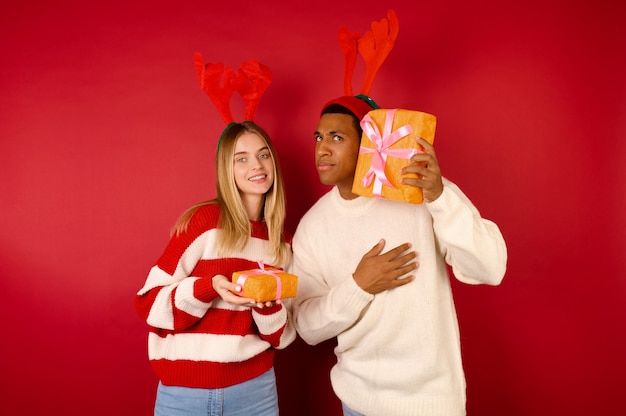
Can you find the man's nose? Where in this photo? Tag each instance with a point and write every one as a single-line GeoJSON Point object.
{"type": "Point", "coordinates": [322, 147]}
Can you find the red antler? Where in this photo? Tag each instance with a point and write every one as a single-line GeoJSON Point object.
{"type": "Point", "coordinates": [251, 81]}
{"type": "Point", "coordinates": [215, 80]}
{"type": "Point", "coordinates": [219, 82]}
{"type": "Point", "coordinates": [374, 47]}
{"type": "Point", "coordinates": [348, 45]}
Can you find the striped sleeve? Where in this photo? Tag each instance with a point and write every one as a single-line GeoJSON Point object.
{"type": "Point", "coordinates": [275, 326]}
{"type": "Point", "coordinates": [172, 297]}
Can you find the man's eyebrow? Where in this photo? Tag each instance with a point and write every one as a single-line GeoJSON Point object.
{"type": "Point", "coordinates": [317, 133]}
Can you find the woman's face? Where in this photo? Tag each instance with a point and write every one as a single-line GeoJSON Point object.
{"type": "Point", "coordinates": [253, 166]}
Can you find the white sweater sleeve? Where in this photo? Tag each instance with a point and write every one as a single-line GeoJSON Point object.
{"type": "Point", "coordinates": [472, 245]}
{"type": "Point", "coordinates": [322, 312]}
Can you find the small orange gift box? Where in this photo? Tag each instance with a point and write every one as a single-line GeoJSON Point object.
{"type": "Point", "coordinates": [387, 145]}
{"type": "Point", "coordinates": [266, 284]}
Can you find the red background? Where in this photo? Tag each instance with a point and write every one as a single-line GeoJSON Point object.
{"type": "Point", "coordinates": [107, 138]}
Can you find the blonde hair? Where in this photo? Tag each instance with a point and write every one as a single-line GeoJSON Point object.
{"type": "Point", "coordinates": [233, 221]}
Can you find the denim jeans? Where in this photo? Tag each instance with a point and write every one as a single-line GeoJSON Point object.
{"type": "Point", "coordinates": [253, 397]}
{"type": "Point", "coordinates": [349, 412]}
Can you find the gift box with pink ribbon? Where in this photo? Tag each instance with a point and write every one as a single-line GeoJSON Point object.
{"type": "Point", "coordinates": [387, 145]}
{"type": "Point", "coordinates": [266, 283]}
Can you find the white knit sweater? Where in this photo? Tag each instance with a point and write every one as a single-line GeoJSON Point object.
{"type": "Point", "coordinates": [398, 352]}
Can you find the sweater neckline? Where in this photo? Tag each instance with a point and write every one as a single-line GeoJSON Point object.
{"type": "Point", "coordinates": [356, 206]}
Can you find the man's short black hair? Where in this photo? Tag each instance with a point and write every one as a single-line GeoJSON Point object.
{"type": "Point", "coordinates": [340, 109]}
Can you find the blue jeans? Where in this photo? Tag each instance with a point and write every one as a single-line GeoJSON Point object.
{"type": "Point", "coordinates": [253, 397]}
{"type": "Point", "coordinates": [349, 412]}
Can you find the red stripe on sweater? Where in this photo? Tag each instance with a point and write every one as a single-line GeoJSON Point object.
{"type": "Point", "coordinates": [204, 219]}
{"type": "Point", "coordinates": [219, 322]}
{"type": "Point", "coordinates": [143, 304]}
{"type": "Point", "coordinates": [225, 266]}
{"type": "Point", "coordinates": [211, 375]}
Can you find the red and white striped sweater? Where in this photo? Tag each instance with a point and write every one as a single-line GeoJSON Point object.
{"type": "Point", "coordinates": [196, 339]}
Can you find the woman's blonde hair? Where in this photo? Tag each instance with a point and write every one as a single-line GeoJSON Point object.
{"type": "Point", "coordinates": [234, 222]}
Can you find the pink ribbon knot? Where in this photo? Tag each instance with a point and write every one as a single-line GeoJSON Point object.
{"type": "Point", "coordinates": [262, 270]}
{"type": "Point", "coordinates": [382, 142]}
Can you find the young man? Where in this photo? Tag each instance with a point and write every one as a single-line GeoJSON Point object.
{"type": "Point", "coordinates": [373, 274]}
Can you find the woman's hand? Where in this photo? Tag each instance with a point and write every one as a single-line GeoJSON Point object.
{"type": "Point", "coordinates": [228, 292]}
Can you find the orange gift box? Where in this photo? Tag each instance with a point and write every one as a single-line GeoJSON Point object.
{"type": "Point", "coordinates": [387, 144]}
{"type": "Point", "coordinates": [266, 284]}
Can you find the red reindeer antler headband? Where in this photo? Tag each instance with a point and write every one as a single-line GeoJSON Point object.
{"type": "Point", "coordinates": [219, 82]}
{"type": "Point", "coordinates": [374, 46]}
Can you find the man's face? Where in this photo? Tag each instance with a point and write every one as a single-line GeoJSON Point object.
{"type": "Point", "coordinates": [336, 151]}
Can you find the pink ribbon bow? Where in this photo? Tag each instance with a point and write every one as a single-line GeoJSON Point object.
{"type": "Point", "coordinates": [262, 270]}
{"type": "Point", "coordinates": [382, 142]}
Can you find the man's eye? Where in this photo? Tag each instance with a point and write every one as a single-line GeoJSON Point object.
{"type": "Point", "coordinates": [318, 138]}
{"type": "Point", "coordinates": [336, 137]}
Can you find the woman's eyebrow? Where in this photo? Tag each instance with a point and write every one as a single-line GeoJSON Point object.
{"type": "Point", "coordinates": [246, 152]}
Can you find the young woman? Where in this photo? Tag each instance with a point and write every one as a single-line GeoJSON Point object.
{"type": "Point", "coordinates": [211, 349]}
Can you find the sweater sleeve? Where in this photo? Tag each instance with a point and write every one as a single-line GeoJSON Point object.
{"type": "Point", "coordinates": [172, 298]}
{"type": "Point", "coordinates": [275, 324]}
{"type": "Point", "coordinates": [472, 246]}
{"type": "Point", "coordinates": [322, 312]}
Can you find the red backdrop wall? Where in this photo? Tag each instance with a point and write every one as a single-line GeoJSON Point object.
{"type": "Point", "coordinates": [106, 138]}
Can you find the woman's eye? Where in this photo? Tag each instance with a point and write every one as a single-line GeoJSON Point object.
{"type": "Point", "coordinates": [240, 160]}
{"type": "Point", "coordinates": [264, 156]}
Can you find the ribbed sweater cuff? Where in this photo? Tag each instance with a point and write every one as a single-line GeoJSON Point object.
{"type": "Point", "coordinates": [355, 297]}
{"type": "Point", "coordinates": [447, 203]}
{"type": "Point", "coordinates": [276, 307]}
{"type": "Point", "coordinates": [203, 289]}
